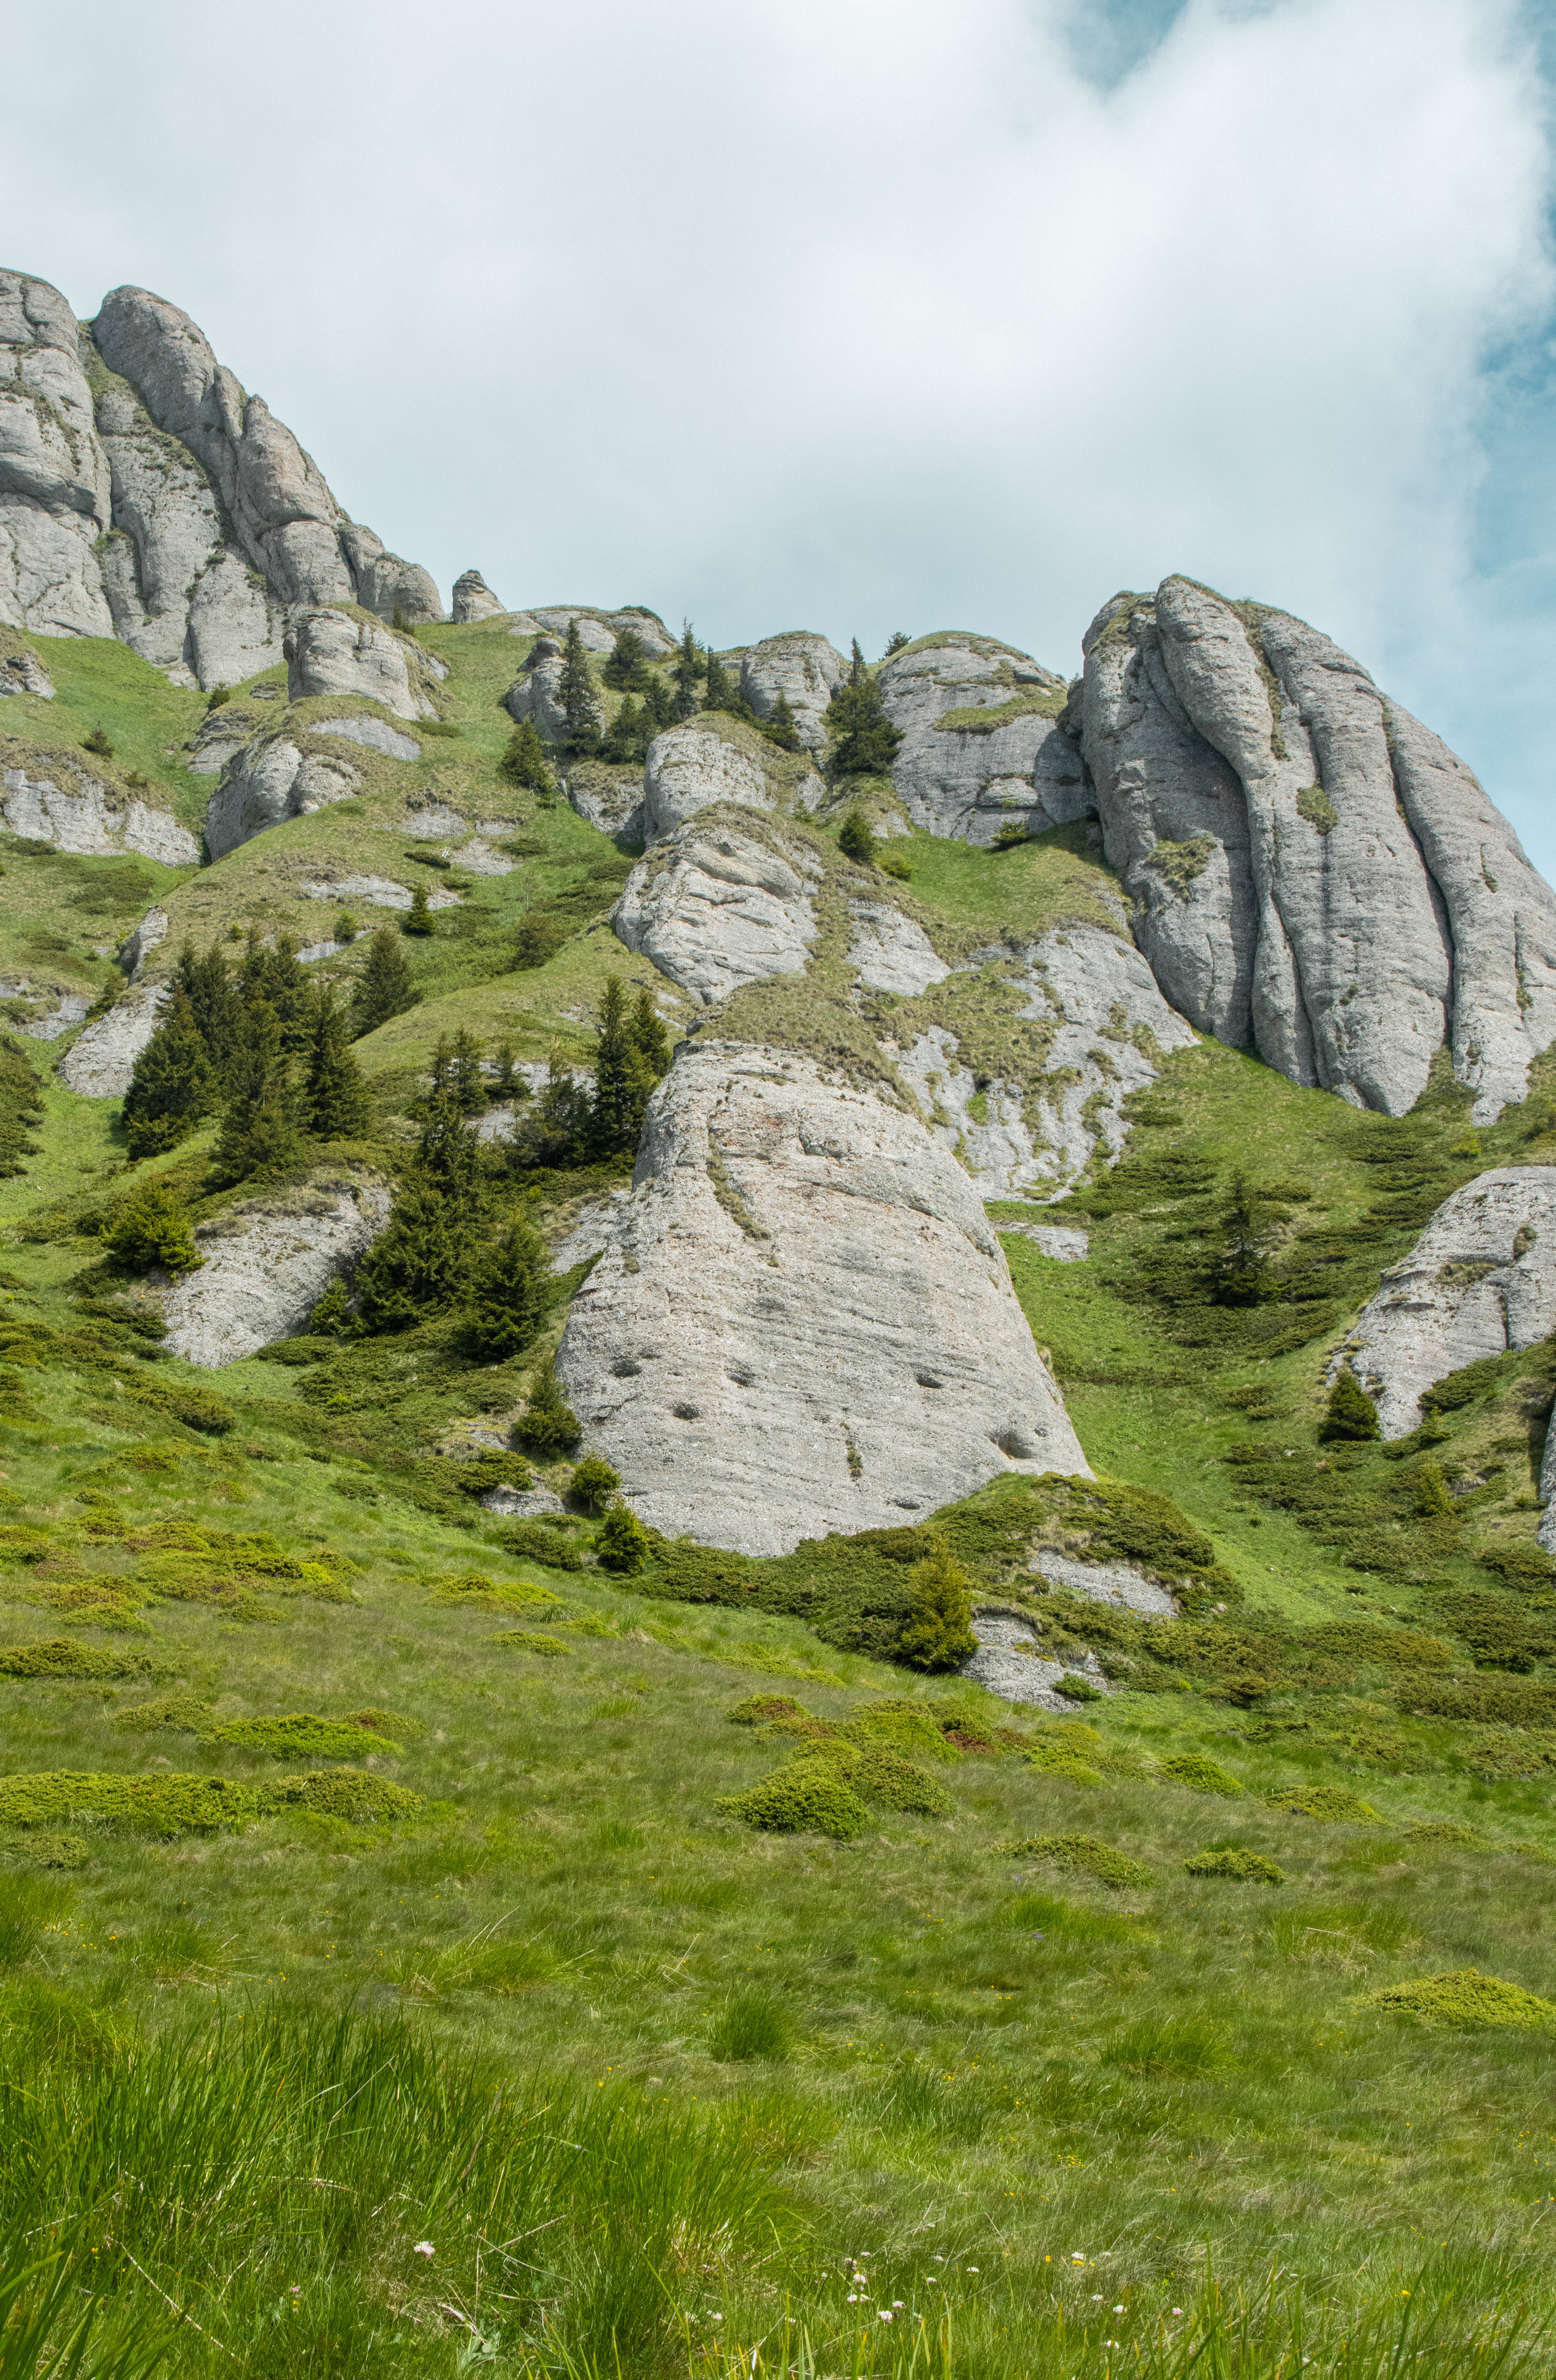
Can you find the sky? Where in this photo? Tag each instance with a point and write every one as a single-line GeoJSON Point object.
{"type": "Point", "coordinates": [863, 315]}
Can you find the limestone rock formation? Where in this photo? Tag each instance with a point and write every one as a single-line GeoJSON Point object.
{"type": "Point", "coordinates": [331, 651]}
{"type": "Point", "coordinates": [1314, 874]}
{"type": "Point", "coordinates": [374, 735]}
{"type": "Point", "coordinates": [378, 892]}
{"type": "Point", "coordinates": [598, 630]}
{"type": "Point", "coordinates": [267, 1263]}
{"type": "Point", "coordinates": [982, 744]}
{"type": "Point", "coordinates": [99, 1061]}
{"type": "Point", "coordinates": [893, 953]}
{"type": "Point", "coordinates": [23, 673]}
{"type": "Point", "coordinates": [1010, 1661]}
{"type": "Point", "coordinates": [612, 802]}
{"type": "Point", "coordinates": [271, 781]}
{"type": "Point", "coordinates": [138, 945]}
{"type": "Point", "coordinates": [807, 1323]}
{"type": "Point", "coordinates": [536, 693]}
{"type": "Point", "coordinates": [473, 600]}
{"type": "Point", "coordinates": [81, 815]}
{"type": "Point", "coordinates": [1480, 1279]}
{"type": "Point", "coordinates": [690, 767]}
{"type": "Point", "coordinates": [55, 493]}
{"type": "Point", "coordinates": [716, 906]}
{"type": "Point", "coordinates": [801, 665]}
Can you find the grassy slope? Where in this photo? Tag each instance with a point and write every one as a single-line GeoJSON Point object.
{"type": "Point", "coordinates": [989, 2063]}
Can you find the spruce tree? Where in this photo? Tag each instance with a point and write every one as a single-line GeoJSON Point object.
{"type": "Point", "coordinates": [896, 641]}
{"type": "Point", "coordinates": [779, 726]}
{"type": "Point", "coordinates": [336, 1105]}
{"type": "Point", "coordinates": [259, 1133]}
{"type": "Point", "coordinates": [153, 1228]}
{"type": "Point", "coordinates": [507, 1083]}
{"type": "Point", "coordinates": [331, 1318]}
{"type": "Point", "coordinates": [627, 668]}
{"type": "Point", "coordinates": [1240, 1268]}
{"type": "Point", "coordinates": [289, 992]}
{"type": "Point", "coordinates": [510, 1292]}
{"type": "Point", "coordinates": [467, 1077]}
{"type": "Point", "coordinates": [524, 763]}
{"type": "Point", "coordinates": [648, 1035]}
{"type": "Point", "coordinates": [548, 1422]}
{"type": "Point", "coordinates": [659, 706]}
{"type": "Point", "coordinates": [1352, 1414]}
{"type": "Point", "coordinates": [866, 742]}
{"type": "Point", "coordinates": [623, 1078]}
{"type": "Point", "coordinates": [449, 1154]}
{"type": "Point", "coordinates": [620, 1542]}
{"type": "Point", "coordinates": [594, 1482]}
{"type": "Point", "coordinates": [627, 737]}
{"type": "Point", "coordinates": [383, 988]}
{"type": "Point", "coordinates": [577, 695]}
{"type": "Point", "coordinates": [938, 1633]}
{"type": "Point", "coordinates": [855, 840]}
{"type": "Point", "coordinates": [213, 1002]}
{"type": "Point", "coordinates": [172, 1086]}
{"type": "Point", "coordinates": [689, 669]}
{"type": "Point", "coordinates": [421, 1263]}
{"type": "Point", "coordinates": [418, 919]}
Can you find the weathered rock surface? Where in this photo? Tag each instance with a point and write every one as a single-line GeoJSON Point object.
{"type": "Point", "coordinates": [82, 816]}
{"type": "Point", "coordinates": [599, 630]}
{"type": "Point", "coordinates": [23, 673]}
{"type": "Point", "coordinates": [1056, 1240]}
{"type": "Point", "coordinates": [801, 665]}
{"type": "Point", "coordinates": [1480, 1279]}
{"type": "Point", "coordinates": [893, 953]}
{"type": "Point", "coordinates": [136, 945]}
{"type": "Point", "coordinates": [613, 803]}
{"type": "Point", "coordinates": [975, 776]}
{"type": "Point", "coordinates": [266, 1266]}
{"type": "Point", "coordinates": [1010, 1661]}
{"type": "Point", "coordinates": [68, 1011]}
{"type": "Point", "coordinates": [1108, 1028]}
{"type": "Point", "coordinates": [99, 1061]}
{"type": "Point", "coordinates": [716, 906]}
{"type": "Point", "coordinates": [808, 1324]}
{"type": "Point", "coordinates": [271, 781]}
{"type": "Point", "coordinates": [56, 492]}
{"type": "Point", "coordinates": [690, 767]}
{"type": "Point", "coordinates": [1116, 1582]}
{"type": "Point", "coordinates": [1305, 859]}
{"type": "Point", "coordinates": [536, 693]}
{"type": "Point", "coordinates": [330, 652]}
{"type": "Point", "coordinates": [473, 600]}
{"type": "Point", "coordinates": [379, 891]}
{"type": "Point", "coordinates": [523, 1503]}
{"type": "Point", "coordinates": [374, 735]}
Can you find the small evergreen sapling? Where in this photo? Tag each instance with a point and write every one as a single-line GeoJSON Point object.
{"type": "Point", "coordinates": [620, 1542]}
{"type": "Point", "coordinates": [510, 1293]}
{"type": "Point", "coordinates": [507, 1083]}
{"type": "Point", "coordinates": [213, 1004]}
{"type": "Point", "coordinates": [575, 693]}
{"type": "Point", "coordinates": [623, 1077]}
{"type": "Point", "coordinates": [331, 1318]}
{"type": "Point", "coordinates": [336, 1105]}
{"type": "Point", "coordinates": [524, 763]}
{"type": "Point", "coordinates": [1240, 1271]}
{"type": "Point", "coordinates": [627, 667]}
{"type": "Point", "coordinates": [548, 1422]}
{"type": "Point", "coordinates": [855, 840]}
{"type": "Point", "coordinates": [649, 1035]}
{"type": "Point", "coordinates": [418, 919]}
{"type": "Point", "coordinates": [98, 742]}
{"type": "Point", "coordinates": [173, 1085]}
{"type": "Point", "coordinates": [780, 726]}
{"type": "Point", "coordinates": [383, 988]}
{"type": "Point", "coordinates": [155, 1229]}
{"type": "Point", "coordinates": [1352, 1414]}
{"type": "Point", "coordinates": [938, 1633]}
{"type": "Point", "coordinates": [690, 669]}
{"type": "Point", "coordinates": [594, 1482]}
{"type": "Point", "coordinates": [628, 737]}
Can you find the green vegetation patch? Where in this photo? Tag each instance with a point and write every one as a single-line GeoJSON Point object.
{"type": "Point", "coordinates": [529, 1640]}
{"type": "Point", "coordinates": [1335, 1804]}
{"type": "Point", "coordinates": [1083, 1855]}
{"type": "Point", "coordinates": [170, 1804]}
{"type": "Point", "coordinates": [1244, 1867]}
{"type": "Point", "coordinates": [1464, 2000]}
{"type": "Point", "coordinates": [808, 1798]}
{"type": "Point", "coordinates": [302, 1735]}
{"type": "Point", "coordinates": [1203, 1774]}
{"type": "Point", "coordinates": [473, 1587]}
{"type": "Point", "coordinates": [59, 1657]}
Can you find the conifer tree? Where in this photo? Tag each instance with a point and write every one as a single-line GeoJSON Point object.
{"type": "Point", "coordinates": [689, 668]}
{"type": "Point", "coordinates": [336, 1105]}
{"type": "Point", "coordinates": [577, 695]}
{"type": "Point", "coordinates": [1240, 1270]}
{"type": "Point", "coordinates": [172, 1086]}
{"type": "Point", "coordinates": [259, 1133]}
{"type": "Point", "coordinates": [1352, 1414]}
{"type": "Point", "coordinates": [331, 1318]}
{"type": "Point", "coordinates": [153, 1228]}
{"type": "Point", "coordinates": [628, 736]}
{"type": "Point", "coordinates": [383, 988]}
{"type": "Point", "coordinates": [510, 1292]}
{"type": "Point", "coordinates": [507, 1083]}
{"type": "Point", "coordinates": [938, 1633]}
{"type": "Point", "coordinates": [418, 919]}
{"type": "Point", "coordinates": [620, 1542]}
{"type": "Point", "coordinates": [213, 1002]}
{"type": "Point", "coordinates": [623, 1077]}
{"type": "Point", "coordinates": [449, 1154]}
{"type": "Point", "coordinates": [548, 1422]}
{"type": "Point", "coordinates": [659, 706]}
{"type": "Point", "coordinates": [594, 1482]}
{"type": "Point", "coordinates": [855, 840]}
{"type": "Point", "coordinates": [648, 1034]}
{"type": "Point", "coordinates": [779, 726]}
{"type": "Point", "coordinates": [419, 1264]}
{"type": "Point", "coordinates": [720, 691]}
{"type": "Point", "coordinates": [627, 667]}
{"type": "Point", "coordinates": [895, 642]}
{"type": "Point", "coordinates": [866, 740]}
{"type": "Point", "coordinates": [524, 763]}
{"type": "Point", "coordinates": [467, 1077]}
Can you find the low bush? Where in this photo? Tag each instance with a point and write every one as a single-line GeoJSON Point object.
{"type": "Point", "coordinates": [1467, 2001]}
{"type": "Point", "coordinates": [169, 1805]}
{"type": "Point", "coordinates": [620, 1542]}
{"type": "Point", "coordinates": [1331, 1802]}
{"type": "Point", "coordinates": [1496, 1702]}
{"type": "Point", "coordinates": [301, 1736]}
{"type": "Point", "coordinates": [760, 1710]}
{"type": "Point", "coordinates": [1050, 1758]}
{"type": "Point", "coordinates": [1244, 1867]}
{"type": "Point", "coordinates": [808, 1798]}
{"type": "Point", "coordinates": [882, 1777]}
{"type": "Point", "coordinates": [533, 1541]}
{"type": "Point", "coordinates": [1197, 1770]}
{"type": "Point", "coordinates": [182, 1713]}
{"type": "Point", "coordinates": [473, 1587]}
{"type": "Point", "coordinates": [347, 1793]}
{"type": "Point", "coordinates": [58, 1657]}
{"type": "Point", "coordinates": [1083, 1855]}
{"type": "Point", "coordinates": [906, 1726]}
{"type": "Point", "coordinates": [1077, 1687]}
{"type": "Point", "coordinates": [529, 1640]}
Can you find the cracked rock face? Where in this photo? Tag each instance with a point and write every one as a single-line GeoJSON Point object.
{"type": "Point", "coordinates": [1316, 876]}
{"type": "Point", "coordinates": [336, 652]}
{"type": "Point", "coordinates": [81, 817]}
{"type": "Point", "coordinates": [101, 1060]}
{"type": "Point", "coordinates": [969, 779]}
{"type": "Point", "coordinates": [23, 673]}
{"type": "Point", "coordinates": [1480, 1279]}
{"type": "Point", "coordinates": [714, 908]}
{"type": "Point", "coordinates": [801, 665]}
{"type": "Point", "coordinates": [1010, 1661]}
{"type": "Point", "coordinates": [266, 1266]}
{"type": "Point", "coordinates": [374, 735]}
{"type": "Point", "coordinates": [804, 1322]}
{"type": "Point", "coordinates": [55, 493]}
{"type": "Point", "coordinates": [891, 952]}
{"type": "Point", "coordinates": [599, 630]}
{"type": "Point", "coordinates": [536, 693]}
{"type": "Point", "coordinates": [270, 781]}
{"type": "Point", "coordinates": [689, 768]}
{"type": "Point", "coordinates": [473, 600]}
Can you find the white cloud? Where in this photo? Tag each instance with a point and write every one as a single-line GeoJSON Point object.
{"type": "Point", "coordinates": [856, 314]}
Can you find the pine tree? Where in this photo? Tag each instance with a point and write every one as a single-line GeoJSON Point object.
{"type": "Point", "coordinates": [507, 1083]}
{"type": "Point", "coordinates": [720, 691]}
{"type": "Point", "coordinates": [336, 1105]}
{"type": "Point", "coordinates": [896, 641]}
{"type": "Point", "coordinates": [331, 1318]}
{"type": "Point", "coordinates": [213, 1002]}
{"type": "Point", "coordinates": [577, 695]}
{"type": "Point", "coordinates": [779, 726]}
{"type": "Point", "coordinates": [620, 1542]}
{"type": "Point", "coordinates": [259, 1133]}
{"type": "Point", "coordinates": [623, 1078]}
{"type": "Point", "coordinates": [277, 976]}
{"type": "Point", "coordinates": [1240, 1270]}
{"type": "Point", "coordinates": [524, 763]}
{"type": "Point", "coordinates": [421, 1265]}
{"type": "Point", "coordinates": [1352, 1414]}
{"type": "Point", "coordinates": [628, 736]}
{"type": "Point", "coordinates": [510, 1292]}
{"type": "Point", "coordinates": [1434, 1501]}
{"type": "Point", "coordinates": [98, 742]}
{"type": "Point", "coordinates": [689, 669]}
{"type": "Point", "coordinates": [548, 1422]}
{"type": "Point", "coordinates": [855, 840]}
{"type": "Point", "coordinates": [594, 1482]}
{"type": "Point", "coordinates": [383, 988]}
{"type": "Point", "coordinates": [555, 1128]}
{"type": "Point", "coordinates": [659, 706]}
{"type": "Point", "coordinates": [866, 742]}
{"type": "Point", "coordinates": [155, 1229]}
{"type": "Point", "coordinates": [648, 1035]}
{"type": "Point", "coordinates": [627, 668]}
{"type": "Point", "coordinates": [449, 1154]}
{"type": "Point", "coordinates": [466, 1076]}
{"type": "Point", "coordinates": [938, 1633]}
{"type": "Point", "coordinates": [173, 1085]}
{"type": "Point", "coordinates": [418, 919]}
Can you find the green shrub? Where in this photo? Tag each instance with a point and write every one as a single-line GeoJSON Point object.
{"type": "Point", "coordinates": [347, 1793]}
{"type": "Point", "coordinates": [180, 1713]}
{"type": "Point", "coordinates": [151, 1229]}
{"type": "Point", "coordinates": [939, 1634]}
{"type": "Point", "coordinates": [1245, 1867]}
{"type": "Point", "coordinates": [528, 1640]}
{"type": "Point", "coordinates": [1078, 1688]}
{"type": "Point", "coordinates": [1083, 1855]}
{"type": "Point", "coordinates": [760, 1710]}
{"type": "Point", "coordinates": [1490, 1701]}
{"type": "Point", "coordinates": [1442, 1830]}
{"type": "Point", "coordinates": [855, 840]}
{"type": "Point", "coordinates": [752, 2024]}
{"type": "Point", "coordinates": [196, 1408]}
{"type": "Point", "coordinates": [808, 1798]}
{"type": "Point", "coordinates": [620, 1542]}
{"type": "Point", "coordinates": [549, 1423]}
{"type": "Point", "coordinates": [1465, 2001]}
{"type": "Point", "coordinates": [58, 1657]}
{"type": "Point", "coordinates": [907, 1726]}
{"type": "Point", "coordinates": [474, 1586]}
{"type": "Point", "coordinates": [479, 1474]}
{"type": "Point", "coordinates": [1051, 1759]}
{"type": "Point", "coordinates": [1331, 1802]}
{"type": "Point", "coordinates": [1197, 1769]}
{"type": "Point", "coordinates": [301, 1736]}
{"type": "Point", "coordinates": [594, 1482]}
{"type": "Point", "coordinates": [533, 1541]}
{"type": "Point", "coordinates": [1352, 1414]}
{"type": "Point", "coordinates": [164, 1805]}
{"type": "Point", "coordinates": [880, 1776]}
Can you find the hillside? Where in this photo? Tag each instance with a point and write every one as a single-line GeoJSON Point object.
{"type": "Point", "coordinates": [775, 1580]}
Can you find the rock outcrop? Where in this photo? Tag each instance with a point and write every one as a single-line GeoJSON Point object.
{"type": "Point", "coordinates": [892, 953]}
{"type": "Point", "coordinates": [805, 668]}
{"type": "Point", "coordinates": [597, 630]}
{"type": "Point", "coordinates": [536, 693]}
{"type": "Point", "coordinates": [331, 651]}
{"type": "Point", "coordinates": [23, 673]}
{"type": "Point", "coordinates": [1011, 1661]}
{"type": "Point", "coordinates": [689, 769]}
{"type": "Point", "coordinates": [81, 815]}
{"type": "Point", "coordinates": [55, 493]}
{"type": "Point", "coordinates": [271, 781]}
{"type": "Point", "coordinates": [473, 600]}
{"type": "Point", "coordinates": [1480, 1279]}
{"type": "Point", "coordinates": [807, 1323]}
{"type": "Point", "coordinates": [266, 1264]}
{"type": "Point", "coordinates": [101, 1060]}
{"type": "Point", "coordinates": [1314, 874]}
{"type": "Point", "coordinates": [982, 745]}
{"type": "Point", "coordinates": [716, 906]}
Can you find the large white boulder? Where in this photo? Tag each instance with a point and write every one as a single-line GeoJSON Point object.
{"type": "Point", "coordinates": [801, 665]}
{"type": "Point", "coordinates": [272, 780]}
{"type": "Point", "coordinates": [714, 908]}
{"type": "Point", "coordinates": [689, 768]}
{"type": "Point", "coordinates": [473, 600]}
{"type": "Point", "coordinates": [1012, 763]}
{"type": "Point", "coordinates": [101, 1060]}
{"type": "Point", "coordinates": [893, 953]}
{"type": "Point", "coordinates": [55, 491]}
{"type": "Point", "coordinates": [329, 651]}
{"type": "Point", "coordinates": [266, 1264]}
{"type": "Point", "coordinates": [1480, 1279]}
{"type": "Point", "coordinates": [806, 1322]}
{"type": "Point", "coordinates": [82, 816]}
